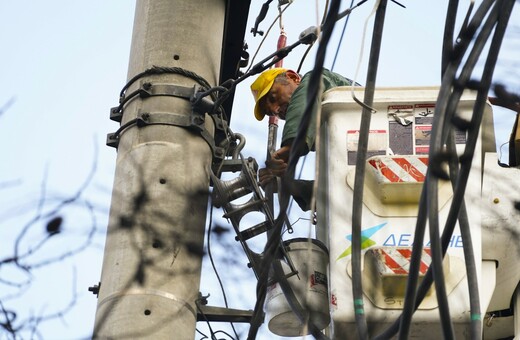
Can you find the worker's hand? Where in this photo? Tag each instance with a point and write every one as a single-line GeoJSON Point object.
{"type": "Point", "coordinates": [282, 153]}
{"type": "Point", "coordinates": [265, 177]}
{"type": "Point", "coordinates": [276, 166]}
{"type": "Point", "coordinates": [278, 161]}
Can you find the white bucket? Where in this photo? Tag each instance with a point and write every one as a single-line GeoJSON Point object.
{"type": "Point", "coordinates": [310, 286]}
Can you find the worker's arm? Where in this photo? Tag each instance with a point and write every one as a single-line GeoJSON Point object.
{"type": "Point", "coordinates": [275, 166]}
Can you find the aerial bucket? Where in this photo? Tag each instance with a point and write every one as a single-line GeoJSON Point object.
{"type": "Point", "coordinates": [310, 286]}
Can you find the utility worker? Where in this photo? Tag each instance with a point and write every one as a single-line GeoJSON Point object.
{"type": "Point", "coordinates": [283, 93]}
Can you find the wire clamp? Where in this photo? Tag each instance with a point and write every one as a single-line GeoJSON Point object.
{"type": "Point", "coordinates": [192, 121]}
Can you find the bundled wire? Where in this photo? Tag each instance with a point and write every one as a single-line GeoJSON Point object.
{"type": "Point", "coordinates": [208, 235]}
{"type": "Point", "coordinates": [442, 134]}
{"type": "Point", "coordinates": [341, 38]}
{"type": "Point", "coordinates": [357, 206]}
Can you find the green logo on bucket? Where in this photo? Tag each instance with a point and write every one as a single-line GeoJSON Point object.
{"type": "Point", "coordinates": [365, 239]}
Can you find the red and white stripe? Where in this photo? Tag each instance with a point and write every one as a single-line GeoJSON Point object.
{"type": "Point", "coordinates": [397, 260]}
{"type": "Point", "coordinates": [395, 169]}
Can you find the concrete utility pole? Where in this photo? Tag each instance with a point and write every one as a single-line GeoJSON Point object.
{"type": "Point", "coordinates": [153, 253]}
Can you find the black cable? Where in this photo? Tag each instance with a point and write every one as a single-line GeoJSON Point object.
{"type": "Point", "coordinates": [415, 264]}
{"type": "Point", "coordinates": [226, 333]}
{"type": "Point", "coordinates": [261, 17]}
{"type": "Point", "coordinates": [432, 201]}
{"type": "Point", "coordinates": [272, 244]}
{"type": "Point", "coordinates": [124, 126]}
{"type": "Point", "coordinates": [449, 32]}
{"type": "Point", "coordinates": [459, 193]}
{"type": "Point", "coordinates": [313, 89]}
{"type": "Point", "coordinates": [304, 57]}
{"type": "Point", "coordinates": [213, 337]}
{"type": "Point", "coordinates": [204, 336]}
{"type": "Point", "coordinates": [439, 135]}
{"type": "Point", "coordinates": [263, 65]}
{"type": "Point", "coordinates": [501, 12]}
{"type": "Point", "coordinates": [469, 256]}
{"type": "Point", "coordinates": [210, 255]}
{"type": "Point", "coordinates": [271, 251]}
{"type": "Point", "coordinates": [341, 39]}
{"type": "Point", "coordinates": [156, 70]}
{"type": "Point", "coordinates": [357, 205]}
{"type": "Point", "coordinates": [126, 99]}
{"type": "Point", "coordinates": [459, 206]}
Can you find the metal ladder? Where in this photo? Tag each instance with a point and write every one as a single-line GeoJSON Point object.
{"type": "Point", "coordinates": [226, 191]}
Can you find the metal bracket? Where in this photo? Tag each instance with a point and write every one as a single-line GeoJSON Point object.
{"type": "Point", "coordinates": [201, 104]}
{"type": "Point", "coordinates": [193, 122]}
{"type": "Point", "coordinates": [147, 90]}
{"type": "Point", "coordinates": [210, 313]}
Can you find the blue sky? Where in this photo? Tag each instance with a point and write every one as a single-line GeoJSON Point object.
{"type": "Point", "coordinates": [63, 64]}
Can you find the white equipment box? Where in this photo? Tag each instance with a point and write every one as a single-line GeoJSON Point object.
{"type": "Point", "coordinates": [396, 166]}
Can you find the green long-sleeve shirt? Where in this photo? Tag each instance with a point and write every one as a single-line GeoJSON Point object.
{"type": "Point", "coordinates": [297, 104]}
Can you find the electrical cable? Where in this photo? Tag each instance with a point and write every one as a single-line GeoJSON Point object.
{"type": "Point", "coordinates": [213, 337]}
{"type": "Point", "coordinates": [271, 251]}
{"type": "Point", "coordinates": [204, 336]}
{"type": "Point", "coordinates": [442, 239]}
{"type": "Point", "coordinates": [407, 310]}
{"type": "Point", "coordinates": [449, 32]}
{"type": "Point", "coordinates": [271, 247]}
{"type": "Point", "coordinates": [308, 49]}
{"type": "Point", "coordinates": [501, 14]}
{"type": "Point", "coordinates": [266, 35]}
{"type": "Point", "coordinates": [304, 57]}
{"type": "Point", "coordinates": [226, 333]}
{"type": "Point", "coordinates": [157, 70]}
{"type": "Point", "coordinates": [123, 127]}
{"type": "Point", "coordinates": [357, 288]}
{"type": "Point", "coordinates": [439, 132]}
{"type": "Point", "coordinates": [210, 255]}
{"type": "Point", "coordinates": [415, 264]}
{"type": "Point", "coordinates": [261, 17]}
{"type": "Point", "coordinates": [459, 193]}
{"type": "Point", "coordinates": [469, 256]}
{"type": "Point", "coordinates": [359, 102]}
{"type": "Point", "coordinates": [462, 216]}
{"type": "Point", "coordinates": [436, 146]}
{"type": "Point", "coordinates": [312, 94]}
{"type": "Point", "coordinates": [468, 13]}
{"type": "Point", "coordinates": [437, 256]}
{"type": "Point", "coordinates": [126, 99]}
{"type": "Point", "coordinates": [341, 39]}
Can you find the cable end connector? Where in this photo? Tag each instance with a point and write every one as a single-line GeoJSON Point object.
{"type": "Point", "coordinates": [309, 35]}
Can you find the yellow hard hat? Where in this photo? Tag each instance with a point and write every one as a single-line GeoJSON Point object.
{"type": "Point", "coordinates": [262, 85]}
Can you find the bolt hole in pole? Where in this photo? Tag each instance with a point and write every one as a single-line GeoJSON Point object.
{"type": "Point", "coordinates": [156, 244]}
{"type": "Point", "coordinates": [147, 312]}
{"type": "Point", "coordinates": [176, 57]}
{"type": "Point", "coordinates": [162, 181]}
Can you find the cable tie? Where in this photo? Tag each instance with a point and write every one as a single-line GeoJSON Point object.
{"type": "Point", "coordinates": [475, 317]}
{"type": "Point", "coordinates": [359, 311]}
